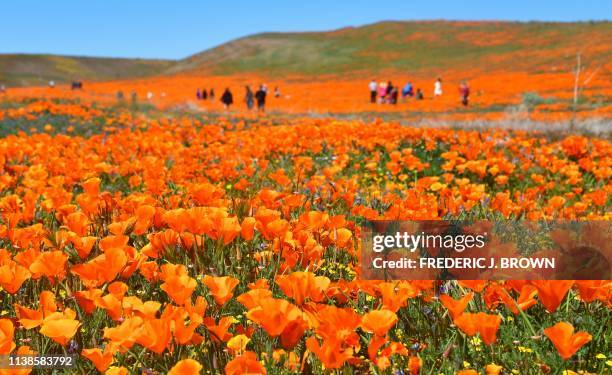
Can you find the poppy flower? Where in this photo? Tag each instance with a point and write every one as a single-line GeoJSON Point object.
{"type": "Point", "coordinates": [253, 297]}
{"type": "Point", "coordinates": [246, 363]}
{"type": "Point", "coordinates": [102, 269]}
{"type": "Point", "coordinates": [476, 285]}
{"type": "Point", "coordinates": [303, 285]}
{"type": "Point", "coordinates": [177, 283]}
{"type": "Point", "coordinates": [186, 367]}
{"type": "Point", "coordinates": [60, 327]}
{"type": "Point", "coordinates": [396, 294]}
{"type": "Point", "coordinates": [221, 287]}
{"type": "Point", "coordinates": [12, 276]}
{"type": "Point", "coordinates": [332, 356]}
{"type": "Point", "coordinates": [155, 335]}
{"type": "Point", "coordinates": [485, 324]}
{"type": "Point", "coordinates": [126, 334]}
{"type": "Point", "coordinates": [51, 264]}
{"type": "Point", "coordinates": [278, 317]}
{"type": "Point", "coordinates": [414, 365]}
{"type": "Point", "coordinates": [238, 343]}
{"type": "Point", "coordinates": [247, 228]}
{"type": "Point", "coordinates": [552, 292]}
{"type": "Point", "coordinates": [101, 359]}
{"type": "Point", "coordinates": [378, 321]}
{"type": "Point", "coordinates": [220, 331]}
{"type": "Point", "coordinates": [6, 336]}
{"type": "Point", "coordinates": [456, 307]}
{"type": "Point", "coordinates": [493, 369]}
{"type": "Point", "coordinates": [114, 370]}
{"type": "Point", "coordinates": [565, 340]}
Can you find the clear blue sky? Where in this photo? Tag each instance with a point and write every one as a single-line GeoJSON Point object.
{"type": "Point", "coordinates": [178, 28]}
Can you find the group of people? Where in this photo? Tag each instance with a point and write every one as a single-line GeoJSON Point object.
{"type": "Point", "coordinates": [75, 85]}
{"type": "Point", "coordinates": [204, 95]}
{"type": "Point", "coordinates": [251, 98]}
{"type": "Point", "coordinates": [385, 92]}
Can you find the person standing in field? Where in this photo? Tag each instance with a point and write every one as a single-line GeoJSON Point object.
{"type": "Point", "coordinates": [260, 97]}
{"type": "Point", "coordinates": [464, 92]}
{"type": "Point", "coordinates": [249, 97]}
{"type": "Point", "coordinates": [373, 86]}
{"type": "Point", "coordinates": [388, 91]}
{"type": "Point", "coordinates": [227, 98]}
{"type": "Point", "coordinates": [438, 87]}
{"type": "Point", "coordinates": [277, 92]}
{"type": "Point", "coordinates": [204, 94]}
{"type": "Point", "coordinates": [198, 94]}
{"type": "Point", "coordinates": [407, 90]}
{"type": "Point", "coordinates": [419, 94]}
{"type": "Point", "coordinates": [393, 96]}
{"type": "Point", "coordinates": [212, 94]}
{"type": "Point", "coordinates": [382, 92]}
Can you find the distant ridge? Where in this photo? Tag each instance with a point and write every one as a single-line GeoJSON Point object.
{"type": "Point", "coordinates": [26, 69]}
{"type": "Point", "coordinates": [404, 46]}
{"type": "Point", "coordinates": [410, 46]}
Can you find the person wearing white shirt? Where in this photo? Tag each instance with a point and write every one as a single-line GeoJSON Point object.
{"type": "Point", "coordinates": [438, 87]}
{"type": "Point", "coordinates": [373, 86]}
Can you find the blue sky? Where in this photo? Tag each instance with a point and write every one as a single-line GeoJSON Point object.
{"type": "Point", "coordinates": [178, 28]}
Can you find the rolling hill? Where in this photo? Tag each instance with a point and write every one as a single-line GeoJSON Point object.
{"type": "Point", "coordinates": [410, 46]}
{"type": "Point", "coordinates": [25, 69]}
{"type": "Point", "coordinates": [428, 47]}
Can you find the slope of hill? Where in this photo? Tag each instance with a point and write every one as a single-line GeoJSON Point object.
{"type": "Point", "coordinates": [427, 47]}
{"type": "Point", "coordinates": [25, 69]}
{"type": "Point", "coordinates": [410, 46]}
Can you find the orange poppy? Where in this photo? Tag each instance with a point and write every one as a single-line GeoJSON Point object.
{"type": "Point", "coordinates": [246, 363]}
{"type": "Point", "coordinates": [126, 334]}
{"type": "Point", "coordinates": [396, 295]}
{"type": "Point", "coordinates": [220, 331]}
{"type": "Point", "coordinates": [565, 340]}
{"type": "Point", "coordinates": [51, 264]}
{"type": "Point", "coordinates": [456, 307]}
{"type": "Point", "coordinates": [278, 317]}
{"type": "Point", "coordinates": [221, 287]}
{"type": "Point", "coordinates": [101, 359]}
{"type": "Point", "coordinates": [247, 228]}
{"type": "Point", "coordinates": [476, 285]}
{"type": "Point", "coordinates": [155, 335]}
{"type": "Point", "coordinates": [186, 367]}
{"type": "Point", "coordinates": [303, 285]}
{"type": "Point", "coordinates": [552, 292]}
{"type": "Point", "coordinates": [332, 356]}
{"type": "Point", "coordinates": [378, 321]}
{"type": "Point", "coordinates": [12, 276]}
{"type": "Point", "coordinates": [253, 297]}
{"type": "Point", "coordinates": [6, 336]}
{"type": "Point", "coordinates": [102, 269]}
{"type": "Point", "coordinates": [493, 369]}
{"type": "Point", "coordinates": [414, 365]}
{"type": "Point", "coordinates": [60, 327]}
{"type": "Point", "coordinates": [177, 283]}
{"type": "Point", "coordinates": [485, 324]}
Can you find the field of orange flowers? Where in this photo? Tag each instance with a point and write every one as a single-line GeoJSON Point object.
{"type": "Point", "coordinates": [495, 95]}
{"type": "Point", "coordinates": [143, 242]}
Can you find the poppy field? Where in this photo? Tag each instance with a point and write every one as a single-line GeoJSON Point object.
{"type": "Point", "coordinates": [152, 242]}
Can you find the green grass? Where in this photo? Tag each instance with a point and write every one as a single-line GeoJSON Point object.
{"type": "Point", "coordinates": [432, 47]}
{"type": "Point", "coordinates": [26, 70]}
{"type": "Point", "coordinates": [408, 47]}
